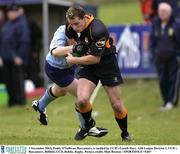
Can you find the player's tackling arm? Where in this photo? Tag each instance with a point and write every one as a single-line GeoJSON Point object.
{"type": "Point", "coordinates": [59, 42]}
{"type": "Point", "coordinates": [61, 51]}
{"type": "Point", "coordinates": [84, 60]}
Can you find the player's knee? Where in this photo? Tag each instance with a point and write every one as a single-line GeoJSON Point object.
{"type": "Point", "coordinates": [82, 101]}
{"type": "Point", "coordinates": [119, 110]}
{"type": "Point", "coordinates": [120, 113]}
{"type": "Point", "coordinates": [81, 104]}
{"type": "Point", "coordinates": [84, 107]}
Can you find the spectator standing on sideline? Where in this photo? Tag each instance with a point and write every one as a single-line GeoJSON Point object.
{"type": "Point", "coordinates": [15, 48]}
{"type": "Point", "coordinates": [98, 64]}
{"type": "Point", "coordinates": [32, 70]}
{"type": "Point", "coordinates": [165, 47]}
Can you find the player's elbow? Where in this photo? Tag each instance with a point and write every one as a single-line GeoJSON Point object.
{"type": "Point", "coordinates": [54, 52]}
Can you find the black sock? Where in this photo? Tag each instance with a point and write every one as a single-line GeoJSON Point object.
{"type": "Point", "coordinates": [122, 124]}
{"type": "Point", "coordinates": [87, 118]}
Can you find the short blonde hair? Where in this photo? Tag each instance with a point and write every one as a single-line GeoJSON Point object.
{"type": "Point", "coordinates": [75, 11]}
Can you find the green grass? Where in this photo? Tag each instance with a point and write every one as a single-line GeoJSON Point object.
{"type": "Point", "coordinates": [3, 95]}
{"type": "Point", "coordinates": [147, 124]}
{"type": "Point", "coordinates": [120, 13]}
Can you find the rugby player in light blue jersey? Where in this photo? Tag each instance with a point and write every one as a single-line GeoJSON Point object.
{"type": "Point", "coordinates": [62, 76]}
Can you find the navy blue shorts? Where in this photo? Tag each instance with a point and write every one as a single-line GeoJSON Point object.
{"type": "Point", "coordinates": [63, 77]}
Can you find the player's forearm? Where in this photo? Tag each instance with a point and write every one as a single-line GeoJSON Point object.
{"type": "Point", "coordinates": [61, 51]}
{"type": "Point", "coordinates": [85, 60]}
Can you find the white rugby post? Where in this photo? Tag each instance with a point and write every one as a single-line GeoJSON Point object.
{"type": "Point", "coordinates": [95, 92]}
{"type": "Point", "coordinates": [93, 97]}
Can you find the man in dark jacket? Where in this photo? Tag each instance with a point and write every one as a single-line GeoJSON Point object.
{"type": "Point", "coordinates": [15, 47]}
{"type": "Point", "coordinates": [165, 47]}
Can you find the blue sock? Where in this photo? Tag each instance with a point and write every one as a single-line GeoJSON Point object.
{"type": "Point", "coordinates": [45, 100]}
{"type": "Point", "coordinates": [81, 119]}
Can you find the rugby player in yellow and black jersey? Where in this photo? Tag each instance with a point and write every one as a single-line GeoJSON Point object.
{"type": "Point", "coordinates": [96, 54]}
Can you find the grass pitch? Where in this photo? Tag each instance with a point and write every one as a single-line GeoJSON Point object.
{"type": "Point", "coordinates": [147, 124]}
{"type": "Point", "coordinates": [117, 13]}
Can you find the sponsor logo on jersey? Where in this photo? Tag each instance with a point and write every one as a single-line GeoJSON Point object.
{"type": "Point", "coordinates": [101, 43]}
